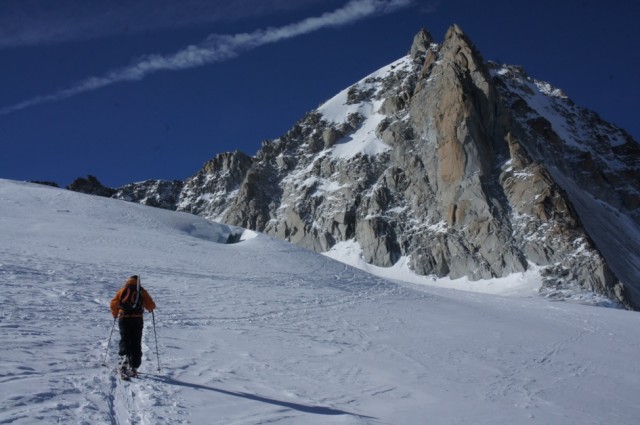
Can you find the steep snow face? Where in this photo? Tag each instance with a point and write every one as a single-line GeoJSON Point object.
{"type": "Point", "coordinates": [339, 107]}
{"type": "Point", "coordinates": [364, 100]}
{"type": "Point", "coordinates": [264, 332]}
{"type": "Point", "coordinates": [573, 124]}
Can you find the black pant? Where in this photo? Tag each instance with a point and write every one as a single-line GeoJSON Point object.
{"type": "Point", "coordinates": [131, 339]}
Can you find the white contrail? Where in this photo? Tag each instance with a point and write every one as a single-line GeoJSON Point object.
{"type": "Point", "coordinates": [218, 48]}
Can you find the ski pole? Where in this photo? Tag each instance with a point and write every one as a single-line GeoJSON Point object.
{"type": "Point", "coordinates": [104, 363]}
{"type": "Point", "coordinates": [153, 316]}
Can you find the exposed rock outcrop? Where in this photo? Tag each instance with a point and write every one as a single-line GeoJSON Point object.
{"type": "Point", "coordinates": [91, 186]}
{"type": "Point", "coordinates": [155, 193]}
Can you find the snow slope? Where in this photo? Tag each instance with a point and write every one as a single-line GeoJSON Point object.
{"type": "Point", "coordinates": [263, 332]}
{"type": "Point", "coordinates": [337, 109]}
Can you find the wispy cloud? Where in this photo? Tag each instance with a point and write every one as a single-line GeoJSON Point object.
{"type": "Point", "coordinates": [40, 22]}
{"type": "Point", "coordinates": [219, 48]}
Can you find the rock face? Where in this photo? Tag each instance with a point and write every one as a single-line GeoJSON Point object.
{"type": "Point", "coordinates": [155, 193]}
{"type": "Point", "coordinates": [463, 167]}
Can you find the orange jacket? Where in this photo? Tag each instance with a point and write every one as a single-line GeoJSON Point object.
{"type": "Point", "coordinates": [147, 302]}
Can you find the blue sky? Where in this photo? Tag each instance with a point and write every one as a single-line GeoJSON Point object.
{"type": "Point", "coordinates": [152, 89]}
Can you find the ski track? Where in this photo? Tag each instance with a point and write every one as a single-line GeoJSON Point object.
{"type": "Point", "coordinates": [83, 387]}
{"type": "Point", "coordinates": [87, 392]}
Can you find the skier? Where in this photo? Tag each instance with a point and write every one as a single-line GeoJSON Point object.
{"type": "Point", "coordinates": [127, 306]}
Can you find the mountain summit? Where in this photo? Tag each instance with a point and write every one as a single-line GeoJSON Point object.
{"type": "Point", "coordinates": [458, 166]}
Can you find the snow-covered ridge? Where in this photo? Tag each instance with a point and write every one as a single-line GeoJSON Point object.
{"type": "Point", "coordinates": [337, 109]}
{"type": "Point", "coordinates": [569, 121]}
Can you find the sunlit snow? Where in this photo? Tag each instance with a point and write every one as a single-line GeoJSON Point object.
{"type": "Point", "coordinates": [261, 331]}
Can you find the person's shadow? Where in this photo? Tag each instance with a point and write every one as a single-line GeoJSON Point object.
{"type": "Point", "coordinates": [316, 410]}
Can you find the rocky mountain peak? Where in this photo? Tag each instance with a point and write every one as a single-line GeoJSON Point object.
{"type": "Point", "coordinates": [452, 165]}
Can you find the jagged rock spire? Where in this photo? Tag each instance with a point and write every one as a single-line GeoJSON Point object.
{"type": "Point", "coordinates": [460, 49]}
{"type": "Point", "coordinates": [421, 43]}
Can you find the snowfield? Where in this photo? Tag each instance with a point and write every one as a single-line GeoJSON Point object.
{"type": "Point", "coordinates": [264, 332]}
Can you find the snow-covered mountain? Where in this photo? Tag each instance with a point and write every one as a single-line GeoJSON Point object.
{"type": "Point", "coordinates": [446, 163]}
{"type": "Point", "coordinates": [261, 331]}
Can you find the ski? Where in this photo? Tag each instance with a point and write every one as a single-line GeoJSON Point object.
{"type": "Point", "coordinates": [126, 374]}
{"type": "Point", "coordinates": [129, 373]}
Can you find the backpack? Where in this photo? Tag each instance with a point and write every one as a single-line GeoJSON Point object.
{"type": "Point", "coordinates": [131, 299]}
